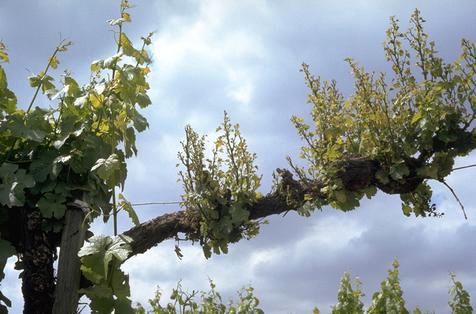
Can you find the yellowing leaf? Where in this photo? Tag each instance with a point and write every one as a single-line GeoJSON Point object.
{"type": "Point", "coordinates": [417, 117]}
{"type": "Point", "coordinates": [96, 100]}
{"type": "Point", "coordinates": [126, 16]}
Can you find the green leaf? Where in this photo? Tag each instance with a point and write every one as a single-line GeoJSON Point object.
{"type": "Point", "coordinates": [130, 142]}
{"type": "Point", "coordinates": [97, 65]}
{"type": "Point", "coordinates": [238, 215]}
{"type": "Point", "coordinates": [73, 89]}
{"type": "Point", "coordinates": [119, 248]}
{"type": "Point", "coordinates": [101, 297]}
{"type": "Point", "coordinates": [143, 100]}
{"type": "Point", "coordinates": [47, 86]}
{"type": "Point", "coordinates": [58, 163]}
{"type": "Point", "coordinates": [33, 126]}
{"type": "Point", "coordinates": [370, 191]}
{"type": "Point", "coordinates": [92, 267]}
{"type": "Point", "coordinates": [460, 302]}
{"type": "Point", "coordinates": [120, 284]}
{"type": "Point", "coordinates": [105, 167]}
{"type": "Point", "coordinates": [127, 206]}
{"type": "Point", "coordinates": [3, 56]}
{"type": "Point", "coordinates": [97, 244]}
{"type": "Point", "coordinates": [407, 209]}
{"type": "Point", "coordinates": [34, 81]}
{"type": "Point", "coordinates": [126, 45]}
{"type": "Point", "coordinates": [139, 121]}
{"type": "Point", "coordinates": [14, 181]}
{"type": "Point", "coordinates": [93, 257]}
{"type": "Point", "coordinates": [429, 171]}
{"type": "Point", "coordinates": [123, 305]}
{"type": "Point", "coordinates": [106, 248]}
{"type": "Point", "coordinates": [417, 117]}
{"type": "Point", "coordinates": [8, 99]}
{"type": "Point", "coordinates": [341, 196]}
{"type": "Point", "coordinates": [399, 171]}
{"type": "Point", "coordinates": [52, 205]}
{"type": "Point", "coordinates": [54, 62]}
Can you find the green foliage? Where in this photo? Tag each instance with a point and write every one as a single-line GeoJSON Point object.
{"type": "Point", "coordinates": [460, 302]}
{"type": "Point", "coordinates": [413, 125]}
{"type": "Point", "coordinates": [73, 149]}
{"type": "Point", "coordinates": [349, 298]}
{"type": "Point", "coordinates": [210, 302]}
{"type": "Point", "coordinates": [387, 301]}
{"type": "Point", "coordinates": [14, 181]}
{"type": "Point", "coordinates": [390, 298]}
{"type": "Point", "coordinates": [100, 264]}
{"type": "Point", "coordinates": [221, 187]}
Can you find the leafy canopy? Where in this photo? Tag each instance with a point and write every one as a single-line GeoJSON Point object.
{"type": "Point", "coordinates": [389, 300]}
{"type": "Point", "coordinates": [412, 126]}
{"type": "Point", "coordinates": [74, 152]}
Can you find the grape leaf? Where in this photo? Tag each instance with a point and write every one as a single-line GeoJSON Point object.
{"type": "Point", "coordinates": [52, 205]}
{"type": "Point", "coordinates": [14, 181]}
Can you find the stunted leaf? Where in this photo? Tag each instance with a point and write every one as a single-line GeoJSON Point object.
{"type": "Point", "coordinates": [119, 21]}
{"type": "Point", "coordinates": [97, 65]}
{"type": "Point", "coordinates": [3, 56]}
{"type": "Point", "coordinates": [178, 252]}
{"type": "Point", "coordinates": [126, 16]}
{"type": "Point", "coordinates": [54, 62]}
{"type": "Point", "coordinates": [34, 81]}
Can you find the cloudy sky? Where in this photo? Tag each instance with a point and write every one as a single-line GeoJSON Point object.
{"type": "Point", "coordinates": [244, 57]}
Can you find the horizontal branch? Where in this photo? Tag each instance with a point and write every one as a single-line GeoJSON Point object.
{"type": "Point", "coordinates": [289, 194]}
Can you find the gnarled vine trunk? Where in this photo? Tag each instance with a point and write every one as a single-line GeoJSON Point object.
{"type": "Point", "coordinates": [38, 255]}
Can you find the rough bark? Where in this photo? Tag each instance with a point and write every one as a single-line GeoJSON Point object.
{"type": "Point", "coordinates": [38, 255]}
{"type": "Point", "coordinates": [288, 195]}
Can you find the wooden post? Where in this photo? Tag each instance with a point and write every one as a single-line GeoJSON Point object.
{"type": "Point", "coordinates": [69, 274]}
